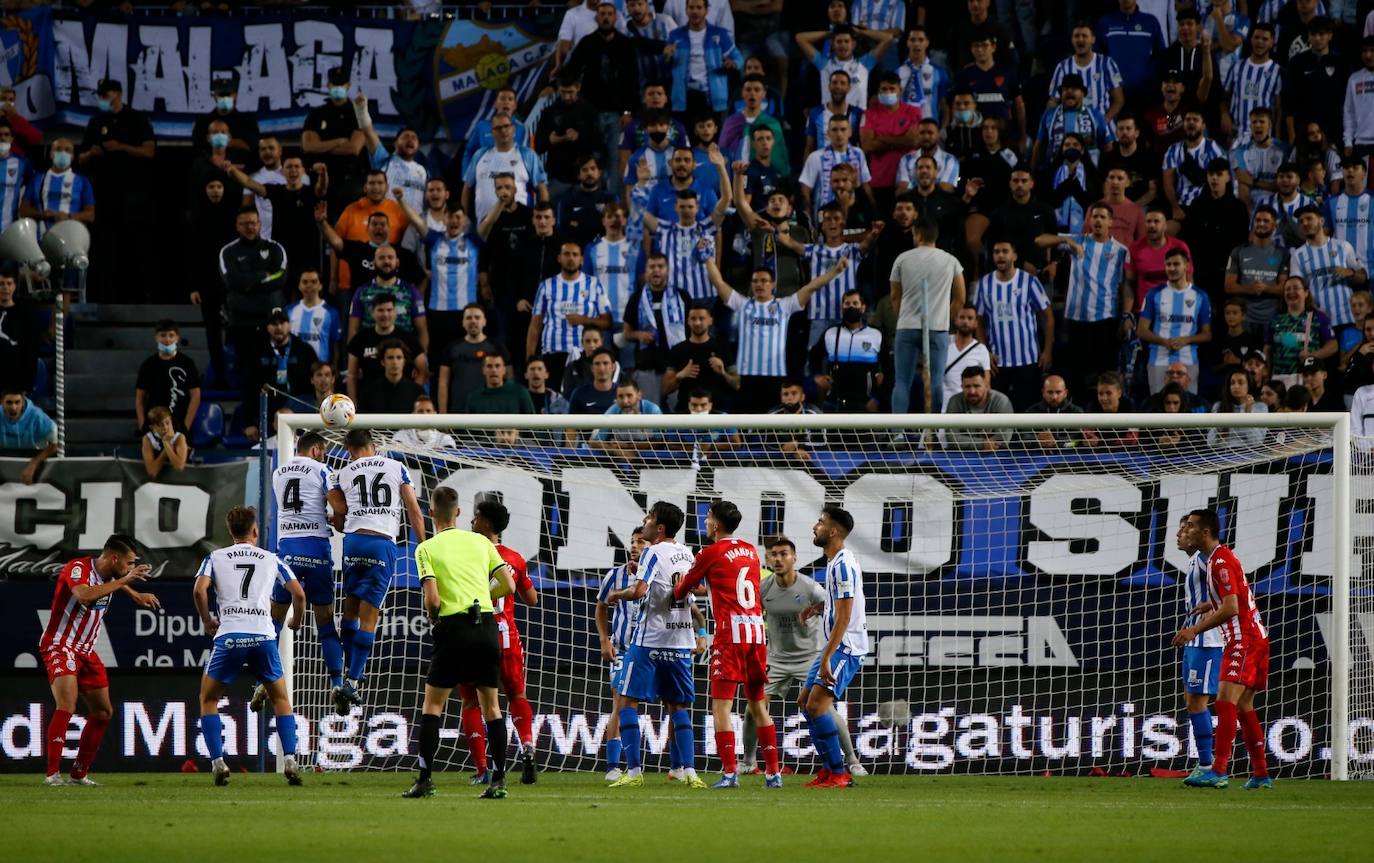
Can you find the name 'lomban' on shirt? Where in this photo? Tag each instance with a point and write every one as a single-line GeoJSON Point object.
{"type": "Point", "coordinates": [301, 489]}
{"type": "Point", "coordinates": [243, 576]}
{"type": "Point", "coordinates": [371, 487]}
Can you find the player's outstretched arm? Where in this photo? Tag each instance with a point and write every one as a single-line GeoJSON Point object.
{"type": "Point", "coordinates": [338, 504]}
{"type": "Point", "coordinates": [89, 594]}
{"type": "Point", "coordinates": [297, 592]}
{"type": "Point", "coordinates": [688, 583]}
{"type": "Point", "coordinates": [417, 519]}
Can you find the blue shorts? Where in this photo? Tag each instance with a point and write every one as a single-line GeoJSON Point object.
{"type": "Point", "coordinates": [1201, 669]}
{"type": "Point", "coordinates": [368, 563]}
{"type": "Point", "coordinates": [844, 665]}
{"type": "Point", "coordinates": [658, 674]}
{"type": "Point", "coordinates": [312, 562]}
{"type": "Point", "coordinates": [233, 651]}
{"type": "Point", "coordinates": [617, 669]}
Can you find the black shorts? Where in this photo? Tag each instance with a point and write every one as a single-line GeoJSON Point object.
{"type": "Point", "coordinates": [465, 652]}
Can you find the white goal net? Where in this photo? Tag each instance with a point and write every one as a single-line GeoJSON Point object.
{"type": "Point", "coordinates": [1023, 583]}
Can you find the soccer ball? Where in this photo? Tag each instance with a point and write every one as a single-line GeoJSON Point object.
{"type": "Point", "coordinates": [337, 411]}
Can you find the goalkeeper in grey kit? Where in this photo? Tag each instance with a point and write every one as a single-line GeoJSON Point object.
{"type": "Point", "coordinates": [793, 644]}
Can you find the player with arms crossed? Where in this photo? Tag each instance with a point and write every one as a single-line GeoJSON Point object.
{"type": "Point", "coordinates": [614, 626]}
{"type": "Point", "coordinates": [846, 642]}
{"type": "Point", "coordinates": [658, 665]}
{"type": "Point", "coordinates": [739, 655]}
{"type": "Point", "coordinates": [490, 520]}
{"type": "Point", "coordinates": [243, 576]}
{"type": "Point", "coordinates": [301, 490]}
{"type": "Point", "coordinates": [793, 645]}
{"type": "Point", "coordinates": [67, 649]}
{"type": "Point", "coordinates": [367, 495]}
{"type": "Point", "coordinates": [1201, 655]}
{"type": "Point", "coordinates": [461, 572]}
{"type": "Point", "coordinates": [1245, 655]}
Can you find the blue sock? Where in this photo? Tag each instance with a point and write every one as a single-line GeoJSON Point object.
{"type": "Point", "coordinates": [683, 737]}
{"type": "Point", "coordinates": [613, 753]}
{"type": "Point", "coordinates": [212, 727]}
{"type": "Point", "coordinates": [277, 625]}
{"type": "Point", "coordinates": [826, 738]}
{"type": "Point", "coordinates": [362, 649]}
{"type": "Point", "coordinates": [629, 736]}
{"type": "Point", "coordinates": [286, 733]}
{"type": "Point", "coordinates": [332, 648]}
{"type": "Point", "coordinates": [347, 629]}
{"type": "Point", "coordinates": [1203, 734]}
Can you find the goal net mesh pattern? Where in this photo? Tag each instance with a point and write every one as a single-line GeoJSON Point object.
{"type": "Point", "coordinates": [1022, 587]}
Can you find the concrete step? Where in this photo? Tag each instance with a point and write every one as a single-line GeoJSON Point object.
{"type": "Point", "coordinates": [114, 431]}
{"type": "Point", "coordinates": [103, 337]}
{"type": "Point", "coordinates": [119, 368]}
{"type": "Point", "coordinates": [133, 314]}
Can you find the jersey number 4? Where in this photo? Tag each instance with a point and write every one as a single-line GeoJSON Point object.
{"type": "Point", "coordinates": [380, 491]}
{"type": "Point", "coordinates": [291, 496]}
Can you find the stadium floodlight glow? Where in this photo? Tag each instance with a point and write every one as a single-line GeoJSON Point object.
{"type": "Point", "coordinates": [1021, 601]}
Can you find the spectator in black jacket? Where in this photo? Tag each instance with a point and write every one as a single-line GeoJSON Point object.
{"type": "Point", "coordinates": [18, 337]}
{"type": "Point", "coordinates": [1217, 223]}
{"type": "Point", "coordinates": [254, 274]}
{"type": "Point", "coordinates": [168, 379]}
{"type": "Point", "coordinates": [211, 225]}
{"type": "Point", "coordinates": [579, 213]}
{"type": "Point", "coordinates": [393, 392]}
{"type": "Point", "coordinates": [281, 361]}
{"type": "Point", "coordinates": [568, 129]}
{"type": "Point", "coordinates": [608, 62]}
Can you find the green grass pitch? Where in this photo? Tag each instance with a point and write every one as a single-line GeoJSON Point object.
{"type": "Point", "coordinates": [339, 816]}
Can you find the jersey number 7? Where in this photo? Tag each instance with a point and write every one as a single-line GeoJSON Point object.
{"type": "Point", "coordinates": [248, 570]}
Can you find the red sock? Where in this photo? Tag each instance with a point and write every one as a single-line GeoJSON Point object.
{"type": "Point", "coordinates": [768, 745]}
{"type": "Point", "coordinates": [91, 736]}
{"type": "Point", "coordinates": [1252, 732]}
{"type": "Point", "coordinates": [523, 715]}
{"type": "Point", "coordinates": [1226, 736]}
{"type": "Point", "coordinates": [475, 729]}
{"type": "Point", "coordinates": [57, 739]}
{"type": "Point", "coordinates": [725, 746]}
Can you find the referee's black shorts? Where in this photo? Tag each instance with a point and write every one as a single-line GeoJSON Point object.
{"type": "Point", "coordinates": [465, 652]}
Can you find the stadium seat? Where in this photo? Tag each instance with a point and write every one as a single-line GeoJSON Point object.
{"type": "Point", "coordinates": [208, 428]}
{"type": "Point", "coordinates": [42, 381]}
{"type": "Point", "coordinates": [234, 438]}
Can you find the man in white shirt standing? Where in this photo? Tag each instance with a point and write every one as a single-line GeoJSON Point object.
{"type": "Point", "coordinates": [927, 286]}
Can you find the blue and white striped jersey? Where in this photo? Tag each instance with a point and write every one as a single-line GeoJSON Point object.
{"type": "Point", "coordinates": [858, 68]}
{"type": "Point", "coordinates": [1088, 123]}
{"type": "Point", "coordinates": [878, 14]}
{"type": "Point", "coordinates": [1316, 264]}
{"type": "Point", "coordinates": [1100, 77]}
{"type": "Point", "coordinates": [371, 487]}
{"type": "Point", "coordinates": [556, 299]}
{"type": "Point", "coordinates": [659, 164]}
{"type": "Point", "coordinates": [301, 489]}
{"type": "Point", "coordinates": [1095, 281]}
{"type": "Point", "coordinates": [520, 161]}
{"type": "Point", "coordinates": [1252, 85]}
{"type": "Point", "coordinates": [1261, 163]}
{"type": "Point", "coordinates": [663, 621]}
{"type": "Point", "coordinates": [825, 302]}
{"type": "Point", "coordinates": [1195, 592]}
{"type": "Point", "coordinates": [409, 176]}
{"type": "Point", "coordinates": [1351, 218]}
{"type": "Point", "coordinates": [614, 263]}
{"type": "Point", "coordinates": [1175, 156]}
{"type": "Point", "coordinates": [1012, 311]}
{"type": "Point", "coordinates": [1172, 314]}
{"type": "Point", "coordinates": [1239, 25]}
{"type": "Point", "coordinates": [243, 576]}
{"type": "Point", "coordinates": [1287, 213]}
{"type": "Point", "coordinates": [845, 580]}
{"type": "Point", "coordinates": [624, 614]}
{"type": "Point", "coordinates": [14, 171]}
{"type": "Point", "coordinates": [67, 192]}
{"type": "Point", "coordinates": [320, 326]}
{"type": "Point", "coordinates": [452, 270]}
{"type": "Point", "coordinates": [480, 138]}
{"type": "Point", "coordinates": [924, 86]}
{"type": "Point", "coordinates": [818, 118]}
{"type": "Point", "coordinates": [687, 263]}
{"type": "Point", "coordinates": [762, 333]}
{"type": "Point", "coordinates": [946, 167]}
{"type": "Point", "coordinates": [816, 172]}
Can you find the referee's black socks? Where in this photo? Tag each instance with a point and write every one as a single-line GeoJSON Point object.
{"type": "Point", "coordinates": [429, 743]}
{"type": "Point", "coordinates": [496, 745]}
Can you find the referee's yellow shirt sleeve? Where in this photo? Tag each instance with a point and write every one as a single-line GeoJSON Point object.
{"type": "Point", "coordinates": [422, 564]}
{"type": "Point", "coordinates": [494, 559]}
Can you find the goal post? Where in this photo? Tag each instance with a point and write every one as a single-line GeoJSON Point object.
{"type": "Point", "coordinates": [1020, 600]}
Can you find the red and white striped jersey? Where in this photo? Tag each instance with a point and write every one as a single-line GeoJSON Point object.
{"type": "Point", "coordinates": [73, 626]}
{"type": "Point", "coordinates": [505, 606]}
{"type": "Point", "coordinates": [731, 570]}
{"type": "Point", "coordinates": [1224, 578]}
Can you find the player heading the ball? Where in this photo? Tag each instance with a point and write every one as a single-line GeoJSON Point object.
{"type": "Point", "coordinates": [1245, 653]}
{"type": "Point", "coordinates": [658, 666]}
{"type": "Point", "coordinates": [367, 496]}
{"type": "Point", "coordinates": [243, 576]}
{"type": "Point", "coordinates": [739, 655]}
{"type": "Point", "coordinates": [846, 643]}
{"type": "Point", "coordinates": [67, 648]}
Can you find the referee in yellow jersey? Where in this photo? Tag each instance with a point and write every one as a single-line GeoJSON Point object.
{"type": "Point", "coordinates": [460, 573]}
